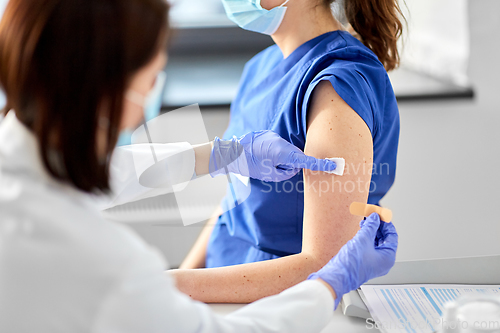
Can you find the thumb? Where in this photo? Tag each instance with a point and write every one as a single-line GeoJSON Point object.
{"type": "Point", "coordinates": [300, 160]}
{"type": "Point", "coordinates": [371, 225]}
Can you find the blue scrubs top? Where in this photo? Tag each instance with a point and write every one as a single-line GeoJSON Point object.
{"type": "Point", "coordinates": [274, 94]}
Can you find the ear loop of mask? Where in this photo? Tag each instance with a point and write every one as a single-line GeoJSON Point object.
{"type": "Point", "coordinates": [284, 3]}
{"type": "Point", "coordinates": [136, 98]}
{"type": "Point", "coordinates": [140, 99]}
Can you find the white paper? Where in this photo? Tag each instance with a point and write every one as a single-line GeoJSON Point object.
{"type": "Point", "coordinates": [415, 308]}
{"type": "Point", "coordinates": [339, 171]}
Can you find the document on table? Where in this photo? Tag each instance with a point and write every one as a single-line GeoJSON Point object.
{"type": "Point", "coordinates": [414, 308]}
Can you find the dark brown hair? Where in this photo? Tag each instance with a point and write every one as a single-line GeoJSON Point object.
{"type": "Point", "coordinates": [65, 65]}
{"type": "Point", "coordinates": [379, 26]}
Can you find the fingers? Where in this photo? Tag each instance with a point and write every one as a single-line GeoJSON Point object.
{"type": "Point", "coordinates": [300, 160]}
{"type": "Point", "coordinates": [281, 174]}
{"type": "Point", "coordinates": [389, 237]}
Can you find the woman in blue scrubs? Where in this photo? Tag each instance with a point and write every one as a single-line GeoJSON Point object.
{"type": "Point", "coordinates": [329, 94]}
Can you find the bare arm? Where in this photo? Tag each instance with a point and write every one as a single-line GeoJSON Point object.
{"type": "Point", "coordinates": [334, 130]}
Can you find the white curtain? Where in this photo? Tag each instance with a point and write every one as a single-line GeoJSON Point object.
{"type": "Point", "coordinates": [191, 13]}
{"type": "Point", "coordinates": [3, 100]}
{"type": "Point", "coordinates": [3, 3]}
{"type": "Point", "coordinates": [437, 41]}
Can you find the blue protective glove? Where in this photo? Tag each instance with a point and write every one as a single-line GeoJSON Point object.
{"type": "Point", "coordinates": [262, 155]}
{"type": "Point", "coordinates": [370, 254]}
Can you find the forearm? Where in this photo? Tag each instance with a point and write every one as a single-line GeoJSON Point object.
{"type": "Point", "coordinates": [248, 282]}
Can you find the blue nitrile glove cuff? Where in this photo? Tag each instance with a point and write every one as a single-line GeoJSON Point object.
{"type": "Point", "coordinates": [224, 155]}
{"type": "Point", "coordinates": [336, 282]}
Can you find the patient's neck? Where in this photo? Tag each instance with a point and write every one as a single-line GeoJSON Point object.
{"type": "Point", "coordinates": [303, 24]}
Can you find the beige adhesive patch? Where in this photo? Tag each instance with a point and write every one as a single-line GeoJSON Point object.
{"type": "Point", "coordinates": [361, 209]}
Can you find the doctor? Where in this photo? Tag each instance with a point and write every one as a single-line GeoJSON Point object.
{"type": "Point", "coordinates": [67, 68]}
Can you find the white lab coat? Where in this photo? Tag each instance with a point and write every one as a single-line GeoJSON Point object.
{"type": "Point", "coordinates": [136, 175]}
{"type": "Point", "coordinates": [65, 269]}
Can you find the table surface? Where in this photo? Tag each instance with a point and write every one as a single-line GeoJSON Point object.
{"type": "Point", "coordinates": [338, 324]}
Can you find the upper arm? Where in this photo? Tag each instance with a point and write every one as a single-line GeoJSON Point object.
{"type": "Point", "coordinates": [334, 129]}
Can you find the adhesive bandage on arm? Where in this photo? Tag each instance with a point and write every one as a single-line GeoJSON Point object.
{"type": "Point", "coordinates": [361, 209]}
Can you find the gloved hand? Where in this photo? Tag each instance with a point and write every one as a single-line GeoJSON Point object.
{"type": "Point", "coordinates": [262, 155]}
{"type": "Point", "coordinates": [370, 254]}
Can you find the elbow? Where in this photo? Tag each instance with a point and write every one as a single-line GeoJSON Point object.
{"type": "Point", "coordinates": [313, 262]}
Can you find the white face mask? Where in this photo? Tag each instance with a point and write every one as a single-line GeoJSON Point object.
{"type": "Point", "coordinates": [151, 104]}
{"type": "Point", "coordinates": [250, 15]}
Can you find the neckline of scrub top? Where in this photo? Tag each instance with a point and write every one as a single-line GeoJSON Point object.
{"type": "Point", "coordinates": [283, 65]}
{"type": "Point", "coordinates": [300, 51]}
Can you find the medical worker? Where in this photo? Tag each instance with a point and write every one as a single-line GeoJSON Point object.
{"type": "Point", "coordinates": [329, 94]}
{"type": "Point", "coordinates": [67, 68]}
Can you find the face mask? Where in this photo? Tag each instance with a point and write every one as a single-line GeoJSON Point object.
{"type": "Point", "coordinates": [250, 15]}
{"type": "Point", "coordinates": [151, 105]}
{"type": "Point", "coordinates": [125, 138]}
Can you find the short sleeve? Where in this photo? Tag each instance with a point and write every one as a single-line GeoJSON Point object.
{"type": "Point", "coordinates": [356, 88]}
